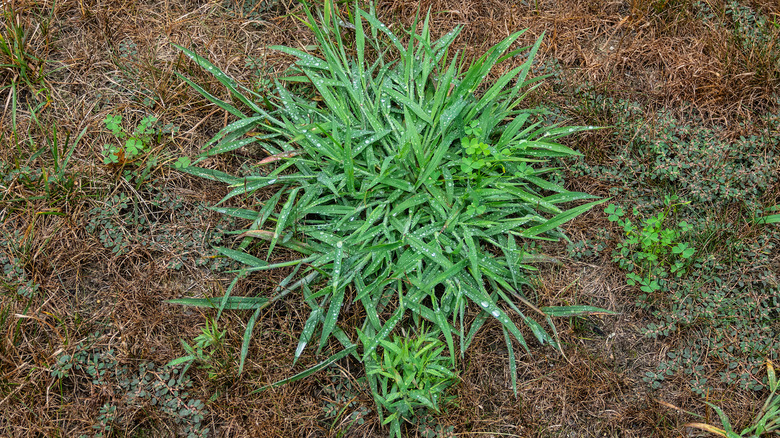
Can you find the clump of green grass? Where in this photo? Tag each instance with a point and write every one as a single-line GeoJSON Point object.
{"type": "Point", "coordinates": [404, 190]}
{"type": "Point", "coordinates": [411, 374]}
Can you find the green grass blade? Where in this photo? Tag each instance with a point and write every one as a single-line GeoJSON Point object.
{"type": "Point", "coordinates": [232, 303]}
{"type": "Point", "coordinates": [284, 215]}
{"type": "Point", "coordinates": [560, 219]}
{"type": "Point", "coordinates": [247, 339]}
{"type": "Point", "coordinates": [224, 79]}
{"type": "Point", "coordinates": [239, 128]}
{"type": "Point", "coordinates": [242, 257]}
{"type": "Point", "coordinates": [378, 25]}
{"type": "Point", "coordinates": [382, 334]}
{"type": "Point", "coordinates": [302, 375]}
{"type": "Point", "coordinates": [512, 362]}
{"type": "Point", "coordinates": [216, 101]}
{"type": "Point", "coordinates": [337, 298]}
{"type": "Point", "coordinates": [441, 322]}
{"type": "Point", "coordinates": [428, 251]}
{"type": "Point", "coordinates": [566, 311]}
{"type": "Point", "coordinates": [241, 213]}
{"type": "Point", "coordinates": [230, 146]}
{"type": "Point", "coordinates": [212, 174]}
{"type": "Point", "coordinates": [307, 332]}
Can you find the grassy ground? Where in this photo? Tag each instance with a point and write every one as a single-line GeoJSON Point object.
{"type": "Point", "coordinates": [94, 239]}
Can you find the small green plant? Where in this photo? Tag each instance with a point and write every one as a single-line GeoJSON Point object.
{"type": "Point", "coordinates": [410, 374]}
{"type": "Point", "coordinates": [767, 420]}
{"type": "Point", "coordinates": [108, 219]}
{"type": "Point", "coordinates": [132, 144]}
{"type": "Point", "coordinates": [133, 152]}
{"type": "Point", "coordinates": [475, 150]}
{"type": "Point", "coordinates": [105, 421]}
{"type": "Point", "coordinates": [182, 163]}
{"type": "Point", "coordinates": [207, 344]}
{"type": "Point", "coordinates": [651, 251]}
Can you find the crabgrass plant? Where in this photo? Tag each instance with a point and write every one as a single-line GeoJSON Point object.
{"type": "Point", "coordinates": [402, 189]}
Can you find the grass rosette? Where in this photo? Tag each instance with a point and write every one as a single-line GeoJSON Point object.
{"type": "Point", "coordinates": [374, 193]}
{"type": "Point", "coordinates": [411, 374]}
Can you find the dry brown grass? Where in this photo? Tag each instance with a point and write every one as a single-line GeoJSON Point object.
{"type": "Point", "coordinates": [655, 52]}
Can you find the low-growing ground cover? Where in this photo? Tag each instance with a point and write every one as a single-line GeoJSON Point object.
{"type": "Point", "coordinates": [100, 231]}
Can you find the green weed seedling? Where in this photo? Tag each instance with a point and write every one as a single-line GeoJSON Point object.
{"type": "Point", "coordinates": [207, 344]}
{"type": "Point", "coordinates": [133, 144]}
{"type": "Point", "coordinates": [651, 250]}
{"type": "Point", "coordinates": [133, 149]}
{"type": "Point", "coordinates": [475, 150]}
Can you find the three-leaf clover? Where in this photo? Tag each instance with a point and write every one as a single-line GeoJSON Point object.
{"type": "Point", "coordinates": [114, 124]}
{"type": "Point", "coordinates": [475, 147]}
{"type": "Point", "coordinates": [475, 209]}
{"type": "Point", "coordinates": [182, 162]}
{"type": "Point", "coordinates": [683, 249]}
{"type": "Point", "coordinates": [615, 212]}
{"type": "Point", "coordinates": [469, 165]}
{"type": "Point", "coordinates": [473, 129]}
